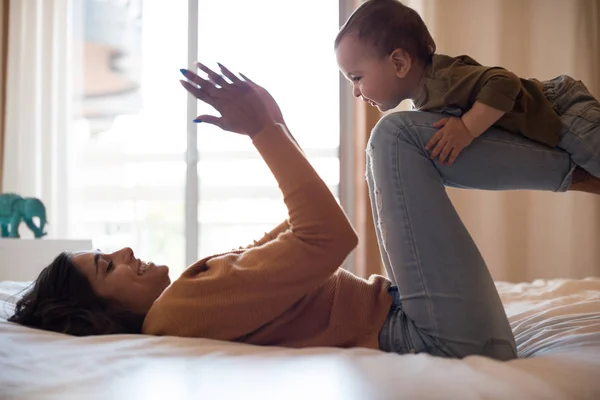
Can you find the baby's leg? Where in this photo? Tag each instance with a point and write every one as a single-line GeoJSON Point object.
{"type": "Point", "coordinates": [579, 112]}
{"type": "Point", "coordinates": [448, 301]}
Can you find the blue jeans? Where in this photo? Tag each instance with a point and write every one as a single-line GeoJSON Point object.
{"type": "Point", "coordinates": [579, 113]}
{"type": "Point", "coordinates": [446, 302]}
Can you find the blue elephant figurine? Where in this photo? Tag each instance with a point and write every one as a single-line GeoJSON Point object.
{"type": "Point", "coordinates": [15, 209]}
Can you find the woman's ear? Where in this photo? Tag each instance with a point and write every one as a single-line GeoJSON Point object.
{"type": "Point", "coordinates": [402, 62]}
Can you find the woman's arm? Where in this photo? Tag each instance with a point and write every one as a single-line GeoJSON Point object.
{"type": "Point", "coordinates": [314, 215]}
{"type": "Point", "coordinates": [258, 285]}
{"type": "Point", "coordinates": [248, 109]}
{"type": "Point", "coordinates": [241, 292]}
{"type": "Point", "coordinates": [271, 235]}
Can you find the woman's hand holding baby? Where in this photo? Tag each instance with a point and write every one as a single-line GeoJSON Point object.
{"type": "Point", "coordinates": [245, 107]}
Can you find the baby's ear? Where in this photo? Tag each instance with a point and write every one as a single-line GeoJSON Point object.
{"type": "Point", "coordinates": [402, 61]}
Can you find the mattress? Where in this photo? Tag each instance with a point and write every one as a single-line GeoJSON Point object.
{"type": "Point", "coordinates": [556, 325]}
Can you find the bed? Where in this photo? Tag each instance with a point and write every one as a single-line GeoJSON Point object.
{"type": "Point", "coordinates": [556, 324]}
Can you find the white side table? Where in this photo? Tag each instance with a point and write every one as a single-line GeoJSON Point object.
{"type": "Point", "coordinates": [23, 259]}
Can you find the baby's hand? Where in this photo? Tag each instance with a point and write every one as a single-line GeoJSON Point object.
{"type": "Point", "coordinates": [450, 140]}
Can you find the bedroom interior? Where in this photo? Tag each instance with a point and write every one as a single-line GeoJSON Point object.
{"type": "Point", "coordinates": [541, 248]}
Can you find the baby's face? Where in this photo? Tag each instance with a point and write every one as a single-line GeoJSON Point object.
{"type": "Point", "coordinates": [374, 79]}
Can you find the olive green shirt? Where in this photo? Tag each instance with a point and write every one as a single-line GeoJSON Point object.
{"type": "Point", "coordinates": [457, 82]}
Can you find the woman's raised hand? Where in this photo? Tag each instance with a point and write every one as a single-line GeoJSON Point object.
{"type": "Point", "coordinates": [245, 107]}
{"type": "Point", "coordinates": [272, 106]}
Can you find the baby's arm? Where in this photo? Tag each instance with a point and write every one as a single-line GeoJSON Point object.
{"type": "Point", "coordinates": [498, 90]}
{"type": "Point", "coordinates": [480, 118]}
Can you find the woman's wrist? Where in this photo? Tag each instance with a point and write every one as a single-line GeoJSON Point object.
{"type": "Point", "coordinates": [259, 126]}
{"type": "Point", "coordinates": [267, 126]}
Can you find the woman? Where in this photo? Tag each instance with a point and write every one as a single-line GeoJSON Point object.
{"type": "Point", "coordinates": [287, 288]}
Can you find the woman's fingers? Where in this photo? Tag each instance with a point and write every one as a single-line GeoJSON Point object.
{"type": "Point", "coordinates": [247, 79]}
{"type": "Point", "coordinates": [213, 76]}
{"type": "Point", "coordinates": [194, 78]}
{"type": "Point", "coordinates": [199, 93]}
{"type": "Point", "coordinates": [214, 79]}
{"type": "Point", "coordinates": [205, 85]}
{"type": "Point", "coordinates": [242, 108]}
{"type": "Point", "coordinates": [210, 119]}
{"type": "Point", "coordinates": [229, 74]}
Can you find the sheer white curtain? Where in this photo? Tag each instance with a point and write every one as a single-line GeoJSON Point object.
{"type": "Point", "coordinates": [37, 101]}
{"type": "Point", "coordinates": [97, 120]}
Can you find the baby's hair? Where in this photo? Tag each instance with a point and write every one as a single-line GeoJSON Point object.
{"type": "Point", "coordinates": [386, 25]}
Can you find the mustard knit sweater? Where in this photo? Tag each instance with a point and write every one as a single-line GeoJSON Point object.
{"type": "Point", "coordinates": [287, 289]}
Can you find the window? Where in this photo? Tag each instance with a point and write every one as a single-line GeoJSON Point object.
{"type": "Point", "coordinates": [130, 148]}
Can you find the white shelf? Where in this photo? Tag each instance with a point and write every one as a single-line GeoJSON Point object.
{"type": "Point", "coordinates": [23, 259]}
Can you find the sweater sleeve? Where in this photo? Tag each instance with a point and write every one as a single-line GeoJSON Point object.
{"type": "Point", "coordinates": [314, 214]}
{"type": "Point", "coordinates": [240, 293]}
{"type": "Point", "coordinates": [271, 235]}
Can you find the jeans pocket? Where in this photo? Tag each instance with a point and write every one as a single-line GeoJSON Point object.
{"type": "Point", "coordinates": [499, 349]}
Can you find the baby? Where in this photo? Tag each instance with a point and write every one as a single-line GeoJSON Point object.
{"type": "Point", "coordinates": [387, 52]}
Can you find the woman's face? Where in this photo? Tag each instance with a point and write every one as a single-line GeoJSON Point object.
{"type": "Point", "coordinates": [122, 279]}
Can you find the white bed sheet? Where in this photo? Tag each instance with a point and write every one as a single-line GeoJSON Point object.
{"type": "Point", "coordinates": [556, 324]}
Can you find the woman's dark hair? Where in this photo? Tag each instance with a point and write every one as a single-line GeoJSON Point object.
{"type": "Point", "coordinates": [62, 300]}
{"type": "Point", "coordinates": [386, 25]}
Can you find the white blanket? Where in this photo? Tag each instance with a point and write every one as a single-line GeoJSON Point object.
{"type": "Point", "coordinates": [556, 324]}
